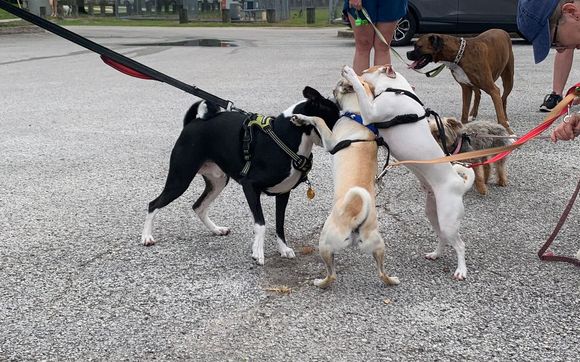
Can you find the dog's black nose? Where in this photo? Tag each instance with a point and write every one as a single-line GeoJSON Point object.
{"type": "Point", "coordinates": [412, 55]}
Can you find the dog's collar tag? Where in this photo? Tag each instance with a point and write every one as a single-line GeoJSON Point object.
{"type": "Point", "coordinates": [310, 192]}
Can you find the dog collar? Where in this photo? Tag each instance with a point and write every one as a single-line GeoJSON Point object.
{"type": "Point", "coordinates": [458, 145]}
{"type": "Point", "coordinates": [460, 52]}
{"type": "Point", "coordinates": [358, 119]}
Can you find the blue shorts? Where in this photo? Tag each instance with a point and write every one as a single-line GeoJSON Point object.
{"type": "Point", "coordinates": [380, 11]}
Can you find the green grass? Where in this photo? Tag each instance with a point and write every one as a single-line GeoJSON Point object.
{"type": "Point", "coordinates": [6, 15]}
{"type": "Point", "coordinates": [207, 20]}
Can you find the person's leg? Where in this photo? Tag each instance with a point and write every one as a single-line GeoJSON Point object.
{"type": "Point", "coordinates": [363, 42]}
{"type": "Point", "coordinates": [53, 7]}
{"type": "Point", "coordinates": [382, 50]}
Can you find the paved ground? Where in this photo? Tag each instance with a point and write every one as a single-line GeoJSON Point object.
{"type": "Point", "coordinates": [85, 148]}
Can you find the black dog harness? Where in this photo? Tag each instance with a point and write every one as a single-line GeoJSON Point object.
{"type": "Point", "coordinates": [264, 123]}
{"type": "Point", "coordinates": [411, 118]}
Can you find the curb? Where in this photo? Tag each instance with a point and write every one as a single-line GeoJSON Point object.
{"type": "Point", "coordinates": [345, 33]}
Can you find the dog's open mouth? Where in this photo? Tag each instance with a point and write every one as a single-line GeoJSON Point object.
{"type": "Point", "coordinates": [421, 62]}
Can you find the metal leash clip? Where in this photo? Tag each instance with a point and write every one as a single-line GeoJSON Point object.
{"type": "Point", "coordinates": [382, 174]}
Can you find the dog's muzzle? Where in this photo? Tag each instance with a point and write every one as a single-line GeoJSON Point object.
{"type": "Point", "coordinates": [419, 60]}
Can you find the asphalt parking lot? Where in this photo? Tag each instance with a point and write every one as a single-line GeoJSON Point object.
{"type": "Point", "coordinates": [84, 149]}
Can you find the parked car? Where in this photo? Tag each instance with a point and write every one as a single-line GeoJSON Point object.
{"type": "Point", "coordinates": [454, 17]}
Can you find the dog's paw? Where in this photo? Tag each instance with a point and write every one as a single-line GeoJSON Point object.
{"type": "Point", "coordinates": [285, 251]}
{"type": "Point", "coordinates": [481, 189]}
{"type": "Point", "coordinates": [502, 182]}
{"type": "Point", "coordinates": [298, 120]}
{"type": "Point", "coordinates": [432, 256]}
{"type": "Point", "coordinates": [258, 258]}
{"type": "Point", "coordinates": [460, 274]}
{"type": "Point", "coordinates": [221, 230]}
{"type": "Point", "coordinates": [349, 74]}
{"type": "Point", "coordinates": [324, 283]}
{"type": "Point", "coordinates": [390, 280]}
{"type": "Point", "coordinates": [258, 254]}
{"type": "Point", "coordinates": [148, 240]}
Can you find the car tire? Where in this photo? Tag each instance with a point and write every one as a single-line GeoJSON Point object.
{"type": "Point", "coordinates": [405, 30]}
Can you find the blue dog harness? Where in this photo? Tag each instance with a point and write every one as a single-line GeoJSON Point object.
{"type": "Point", "coordinates": [358, 119]}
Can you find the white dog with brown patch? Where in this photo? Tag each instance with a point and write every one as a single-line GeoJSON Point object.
{"type": "Point", "coordinates": [353, 218]}
{"type": "Point", "coordinates": [397, 112]}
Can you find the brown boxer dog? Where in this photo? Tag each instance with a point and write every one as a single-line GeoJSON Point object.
{"type": "Point", "coordinates": [475, 63]}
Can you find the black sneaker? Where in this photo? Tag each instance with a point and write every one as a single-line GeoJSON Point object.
{"type": "Point", "coordinates": [550, 101]}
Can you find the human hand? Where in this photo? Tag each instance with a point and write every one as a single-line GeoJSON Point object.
{"type": "Point", "coordinates": [357, 4]}
{"type": "Point", "coordinates": [568, 129]}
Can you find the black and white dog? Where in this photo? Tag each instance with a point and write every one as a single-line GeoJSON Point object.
{"type": "Point", "coordinates": [211, 144]}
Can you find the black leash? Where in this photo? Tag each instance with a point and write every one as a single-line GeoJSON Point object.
{"type": "Point", "coordinates": [440, 129]}
{"type": "Point", "coordinates": [116, 60]}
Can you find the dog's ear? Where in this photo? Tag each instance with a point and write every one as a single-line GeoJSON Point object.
{"type": "Point", "coordinates": [453, 123]}
{"type": "Point", "coordinates": [436, 42]}
{"type": "Point", "coordinates": [347, 87]}
{"type": "Point", "coordinates": [311, 94]}
{"type": "Point", "coordinates": [390, 71]}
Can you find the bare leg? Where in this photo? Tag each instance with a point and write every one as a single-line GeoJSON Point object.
{"type": "Point", "coordinates": [363, 43]}
{"type": "Point", "coordinates": [382, 50]}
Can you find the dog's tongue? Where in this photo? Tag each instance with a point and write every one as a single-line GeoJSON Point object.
{"type": "Point", "coordinates": [414, 64]}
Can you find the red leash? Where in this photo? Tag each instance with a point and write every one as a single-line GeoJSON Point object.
{"type": "Point", "coordinates": [535, 131]}
{"type": "Point", "coordinates": [549, 256]}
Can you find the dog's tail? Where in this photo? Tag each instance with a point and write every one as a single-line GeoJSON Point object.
{"type": "Point", "coordinates": [201, 110]}
{"type": "Point", "coordinates": [467, 174]}
{"type": "Point", "coordinates": [356, 206]}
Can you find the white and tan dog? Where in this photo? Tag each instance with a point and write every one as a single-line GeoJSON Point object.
{"type": "Point", "coordinates": [353, 217]}
{"type": "Point", "coordinates": [413, 141]}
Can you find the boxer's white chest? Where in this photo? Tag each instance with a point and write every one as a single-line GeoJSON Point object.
{"type": "Point", "coordinates": [458, 73]}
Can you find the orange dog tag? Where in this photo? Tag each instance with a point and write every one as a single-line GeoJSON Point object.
{"type": "Point", "coordinates": [310, 192]}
